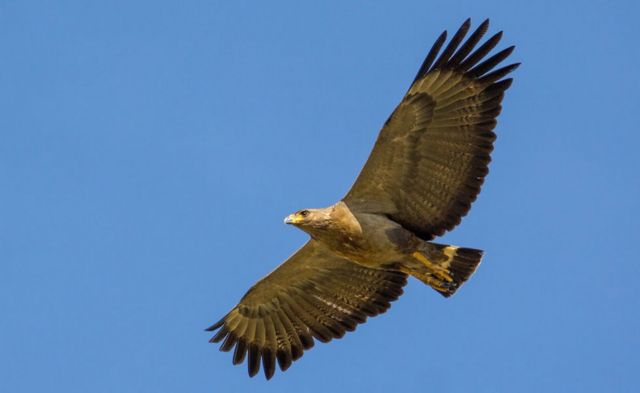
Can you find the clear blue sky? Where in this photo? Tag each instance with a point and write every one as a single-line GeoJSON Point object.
{"type": "Point", "coordinates": [149, 152]}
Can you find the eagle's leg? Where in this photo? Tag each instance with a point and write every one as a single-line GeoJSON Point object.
{"type": "Point", "coordinates": [442, 267]}
{"type": "Point", "coordinates": [440, 270]}
{"type": "Point", "coordinates": [436, 283]}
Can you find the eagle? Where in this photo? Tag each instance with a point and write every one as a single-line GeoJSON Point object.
{"type": "Point", "coordinates": [425, 170]}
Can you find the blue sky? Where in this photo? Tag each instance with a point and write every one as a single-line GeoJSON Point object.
{"type": "Point", "coordinates": [149, 151]}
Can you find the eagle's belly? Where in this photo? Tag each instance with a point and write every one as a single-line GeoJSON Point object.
{"type": "Point", "coordinates": [380, 242]}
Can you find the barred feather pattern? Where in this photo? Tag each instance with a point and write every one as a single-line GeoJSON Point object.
{"type": "Point", "coordinates": [314, 295]}
{"type": "Point", "coordinates": [433, 153]}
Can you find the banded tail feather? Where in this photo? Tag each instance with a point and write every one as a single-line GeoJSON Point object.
{"type": "Point", "coordinates": [443, 267]}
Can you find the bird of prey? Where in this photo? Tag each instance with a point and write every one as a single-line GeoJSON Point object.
{"type": "Point", "coordinates": [425, 170]}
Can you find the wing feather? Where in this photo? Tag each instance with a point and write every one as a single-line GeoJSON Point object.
{"type": "Point", "coordinates": [432, 154]}
{"type": "Point", "coordinates": [314, 294]}
{"type": "Point", "coordinates": [481, 52]}
{"type": "Point", "coordinates": [431, 56]}
{"type": "Point", "coordinates": [453, 44]}
{"type": "Point", "coordinates": [240, 352]}
{"type": "Point", "coordinates": [471, 42]}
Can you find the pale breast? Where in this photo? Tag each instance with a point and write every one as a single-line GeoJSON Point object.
{"type": "Point", "coordinates": [379, 242]}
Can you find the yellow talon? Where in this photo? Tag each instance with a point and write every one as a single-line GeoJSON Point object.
{"type": "Point", "coordinates": [436, 284]}
{"type": "Point", "coordinates": [421, 258]}
{"type": "Point", "coordinates": [437, 270]}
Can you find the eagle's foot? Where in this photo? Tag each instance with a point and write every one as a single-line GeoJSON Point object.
{"type": "Point", "coordinates": [439, 271]}
{"type": "Point", "coordinates": [439, 285]}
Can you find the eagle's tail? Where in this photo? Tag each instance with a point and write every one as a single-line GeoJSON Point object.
{"type": "Point", "coordinates": [444, 268]}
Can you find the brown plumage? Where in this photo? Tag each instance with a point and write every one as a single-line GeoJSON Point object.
{"type": "Point", "coordinates": [425, 170]}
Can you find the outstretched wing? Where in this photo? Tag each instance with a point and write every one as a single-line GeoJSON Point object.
{"type": "Point", "coordinates": [314, 293]}
{"type": "Point", "coordinates": [432, 154]}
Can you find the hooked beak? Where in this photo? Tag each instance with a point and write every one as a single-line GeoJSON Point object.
{"type": "Point", "coordinates": [290, 219]}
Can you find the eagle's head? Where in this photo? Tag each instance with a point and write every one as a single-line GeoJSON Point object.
{"type": "Point", "coordinates": [310, 220]}
{"type": "Point", "coordinates": [327, 223]}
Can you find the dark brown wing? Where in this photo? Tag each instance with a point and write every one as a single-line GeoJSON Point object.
{"type": "Point", "coordinates": [314, 293]}
{"type": "Point", "coordinates": [432, 154]}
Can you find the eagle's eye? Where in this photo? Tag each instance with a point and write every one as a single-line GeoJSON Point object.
{"type": "Point", "coordinates": [304, 213]}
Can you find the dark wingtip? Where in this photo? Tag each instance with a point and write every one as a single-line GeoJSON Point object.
{"type": "Point", "coordinates": [254, 360]}
{"type": "Point", "coordinates": [229, 342]}
{"type": "Point", "coordinates": [470, 43]}
{"type": "Point", "coordinates": [431, 56]}
{"type": "Point", "coordinates": [284, 359]}
{"type": "Point", "coordinates": [488, 64]}
{"type": "Point", "coordinates": [268, 362]}
{"type": "Point", "coordinates": [473, 59]}
{"type": "Point", "coordinates": [483, 27]}
{"type": "Point", "coordinates": [222, 333]}
{"type": "Point", "coordinates": [453, 45]}
{"type": "Point", "coordinates": [240, 352]}
{"type": "Point", "coordinates": [505, 83]}
{"type": "Point", "coordinates": [215, 326]}
{"type": "Point", "coordinates": [510, 49]}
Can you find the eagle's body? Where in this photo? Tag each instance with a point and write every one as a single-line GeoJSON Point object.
{"type": "Point", "coordinates": [375, 241]}
{"type": "Point", "coordinates": [424, 172]}
{"type": "Point", "coordinates": [363, 238]}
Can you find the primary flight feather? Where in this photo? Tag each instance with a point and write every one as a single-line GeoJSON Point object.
{"type": "Point", "coordinates": [425, 170]}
